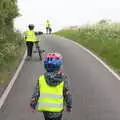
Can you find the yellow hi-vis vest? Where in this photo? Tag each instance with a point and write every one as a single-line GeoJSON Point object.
{"type": "Point", "coordinates": [31, 37]}
{"type": "Point", "coordinates": [51, 97]}
{"type": "Point", "coordinates": [48, 24]}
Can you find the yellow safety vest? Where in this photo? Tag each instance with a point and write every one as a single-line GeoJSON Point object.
{"type": "Point", "coordinates": [48, 24]}
{"type": "Point", "coordinates": [31, 37]}
{"type": "Point", "coordinates": [51, 98]}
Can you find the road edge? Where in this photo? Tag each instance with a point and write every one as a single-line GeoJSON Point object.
{"type": "Point", "coordinates": [98, 59]}
{"type": "Point", "coordinates": [95, 56]}
{"type": "Point", "coordinates": [9, 87]}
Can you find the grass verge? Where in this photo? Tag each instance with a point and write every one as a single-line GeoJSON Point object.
{"type": "Point", "coordinates": [9, 69]}
{"type": "Point", "coordinates": [102, 39]}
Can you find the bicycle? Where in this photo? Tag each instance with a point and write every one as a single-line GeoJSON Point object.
{"type": "Point", "coordinates": [39, 50]}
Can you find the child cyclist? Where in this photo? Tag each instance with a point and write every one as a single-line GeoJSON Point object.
{"type": "Point", "coordinates": [52, 90]}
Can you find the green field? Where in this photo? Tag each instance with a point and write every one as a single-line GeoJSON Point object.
{"type": "Point", "coordinates": [102, 39]}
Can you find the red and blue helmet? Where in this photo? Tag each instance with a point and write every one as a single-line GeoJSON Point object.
{"type": "Point", "coordinates": [53, 62]}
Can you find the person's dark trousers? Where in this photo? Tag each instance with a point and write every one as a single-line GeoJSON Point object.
{"type": "Point", "coordinates": [47, 117]}
{"type": "Point", "coordinates": [47, 30]}
{"type": "Point", "coordinates": [29, 48]}
{"type": "Point", "coordinates": [50, 30]}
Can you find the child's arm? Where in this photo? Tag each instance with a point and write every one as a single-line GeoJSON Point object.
{"type": "Point", "coordinates": [35, 96]}
{"type": "Point", "coordinates": [67, 93]}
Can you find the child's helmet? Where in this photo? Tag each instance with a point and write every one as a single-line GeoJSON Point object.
{"type": "Point", "coordinates": [53, 62]}
{"type": "Point", "coordinates": [31, 26]}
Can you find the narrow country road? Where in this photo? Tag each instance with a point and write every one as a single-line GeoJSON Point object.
{"type": "Point", "coordinates": [96, 92]}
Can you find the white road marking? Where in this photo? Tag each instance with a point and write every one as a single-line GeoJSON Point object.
{"type": "Point", "coordinates": [97, 58]}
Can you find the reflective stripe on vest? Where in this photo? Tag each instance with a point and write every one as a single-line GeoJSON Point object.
{"type": "Point", "coordinates": [51, 98]}
{"type": "Point", "coordinates": [31, 37]}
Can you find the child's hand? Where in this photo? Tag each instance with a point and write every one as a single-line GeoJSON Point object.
{"type": "Point", "coordinates": [33, 105]}
{"type": "Point", "coordinates": [32, 108]}
{"type": "Point", "coordinates": [69, 109]}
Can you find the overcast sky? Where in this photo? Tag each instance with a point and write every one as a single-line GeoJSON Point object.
{"type": "Point", "coordinates": [63, 13]}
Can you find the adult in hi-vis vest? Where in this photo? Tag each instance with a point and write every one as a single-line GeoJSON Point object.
{"type": "Point", "coordinates": [53, 89]}
{"type": "Point", "coordinates": [30, 39]}
{"type": "Point", "coordinates": [48, 27]}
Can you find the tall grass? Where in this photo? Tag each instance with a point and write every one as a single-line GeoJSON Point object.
{"type": "Point", "coordinates": [10, 47]}
{"type": "Point", "coordinates": [102, 39]}
{"type": "Point", "coordinates": [11, 44]}
{"type": "Point", "coordinates": [11, 50]}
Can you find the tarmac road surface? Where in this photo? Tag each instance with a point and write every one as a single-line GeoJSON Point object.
{"type": "Point", "coordinates": [96, 92]}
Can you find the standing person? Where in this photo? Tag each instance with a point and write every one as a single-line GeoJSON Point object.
{"type": "Point", "coordinates": [30, 38]}
{"type": "Point", "coordinates": [52, 90]}
{"type": "Point", "coordinates": [48, 27]}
